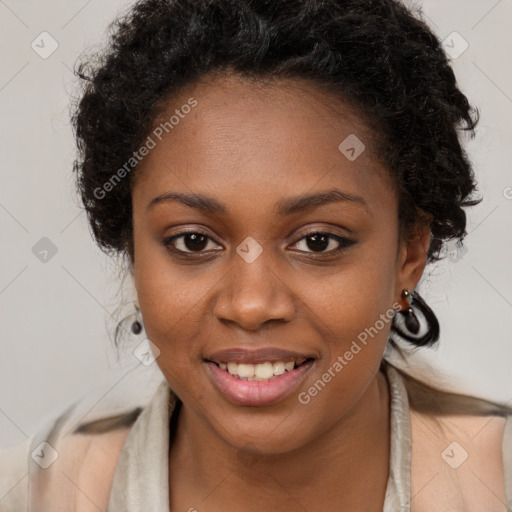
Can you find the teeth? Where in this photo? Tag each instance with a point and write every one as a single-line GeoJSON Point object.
{"type": "Point", "coordinates": [263, 371]}
{"type": "Point", "coordinates": [246, 370]}
{"type": "Point", "coordinates": [259, 372]}
{"type": "Point", "coordinates": [279, 368]}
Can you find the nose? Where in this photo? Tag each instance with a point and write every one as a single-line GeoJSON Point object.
{"type": "Point", "coordinates": [253, 294]}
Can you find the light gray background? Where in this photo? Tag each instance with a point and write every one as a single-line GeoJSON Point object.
{"type": "Point", "coordinates": [55, 315]}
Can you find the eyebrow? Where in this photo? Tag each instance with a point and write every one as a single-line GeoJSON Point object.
{"type": "Point", "coordinates": [288, 206]}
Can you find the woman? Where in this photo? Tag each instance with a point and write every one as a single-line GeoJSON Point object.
{"type": "Point", "coordinates": [278, 175]}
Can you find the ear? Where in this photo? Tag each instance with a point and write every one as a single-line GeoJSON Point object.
{"type": "Point", "coordinates": [411, 261]}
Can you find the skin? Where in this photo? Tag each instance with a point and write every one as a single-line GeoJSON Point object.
{"type": "Point", "coordinates": [250, 146]}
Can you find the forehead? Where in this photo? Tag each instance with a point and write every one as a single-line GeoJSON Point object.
{"type": "Point", "coordinates": [260, 138]}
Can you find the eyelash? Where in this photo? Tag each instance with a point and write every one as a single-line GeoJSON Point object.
{"type": "Point", "coordinates": [344, 243]}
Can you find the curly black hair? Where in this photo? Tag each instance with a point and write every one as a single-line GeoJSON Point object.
{"type": "Point", "coordinates": [375, 55]}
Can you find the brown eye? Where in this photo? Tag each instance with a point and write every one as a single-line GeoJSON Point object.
{"type": "Point", "coordinates": [188, 242]}
{"type": "Point", "coordinates": [318, 242]}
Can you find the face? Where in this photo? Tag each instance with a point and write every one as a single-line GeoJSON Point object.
{"type": "Point", "coordinates": [265, 250]}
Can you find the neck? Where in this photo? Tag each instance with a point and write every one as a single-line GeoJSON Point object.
{"type": "Point", "coordinates": [345, 469]}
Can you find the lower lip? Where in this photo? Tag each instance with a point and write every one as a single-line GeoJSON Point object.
{"type": "Point", "coordinates": [253, 392]}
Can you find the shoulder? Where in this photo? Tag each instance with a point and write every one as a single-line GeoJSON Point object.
{"type": "Point", "coordinates": [460, 453]}
{"type": "Point", "coordinates": [72, 457]}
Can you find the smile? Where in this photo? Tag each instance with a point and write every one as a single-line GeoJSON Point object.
{"type": "Point", "coordinates": [259, 372]}
{"type": "Point", "coordinates": [257, 378]}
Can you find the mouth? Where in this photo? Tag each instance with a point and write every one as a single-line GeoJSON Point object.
{"type": "Point", "coordinates": [260, 372]}
{"type": "Point", "coordinates": [256, 378]}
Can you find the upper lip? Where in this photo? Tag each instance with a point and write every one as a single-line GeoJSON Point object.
{"type": "Point", "coordinates": [261, 355]}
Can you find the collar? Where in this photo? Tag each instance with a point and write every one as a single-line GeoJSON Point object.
{"type": "Point", "coordinates": [142, 472]}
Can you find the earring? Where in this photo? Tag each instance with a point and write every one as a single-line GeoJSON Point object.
{"type": "Point", "coordinates": [137, 325]}
{"type": "Point", "coordinates": [411, 322]}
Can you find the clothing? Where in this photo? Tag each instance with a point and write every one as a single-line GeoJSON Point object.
{"type": "Point", "coordinates": [123, 466]}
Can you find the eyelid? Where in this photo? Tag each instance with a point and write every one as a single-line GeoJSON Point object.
{"type": "Point", "coordinates": [343, 241]}
{"type": "Point", "coordinates": [166, 242]}
{"type": "Point", "coordinates": [311, 231]}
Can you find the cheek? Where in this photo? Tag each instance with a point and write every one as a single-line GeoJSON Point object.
{"type": "Point", "coordinates": [354, 319]}
{"type": "Point", "coordinates": [351, 297]}
{"type": "Point", "coordinates": [164, 286]}
{"type": "Point", "coordinates": [169, 302]}
{"type": "Point", "coordinates": [352, 310]}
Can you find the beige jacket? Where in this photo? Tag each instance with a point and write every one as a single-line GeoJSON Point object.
{"type": "Point", "coordinates": [109, 452]}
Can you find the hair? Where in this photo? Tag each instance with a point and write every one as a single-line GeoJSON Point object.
{"type": "Point", "coordinates": [374, 55]}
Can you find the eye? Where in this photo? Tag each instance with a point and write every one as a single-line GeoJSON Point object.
{"type": "Point", "coordinates": [187, 242]}
{"type": "Point", "coordinates": [319, 241]}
